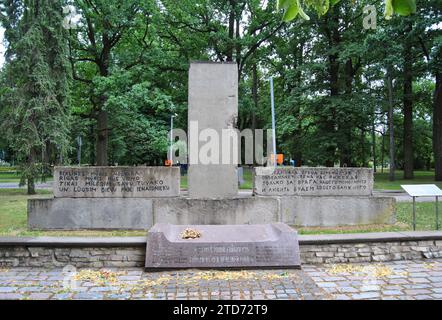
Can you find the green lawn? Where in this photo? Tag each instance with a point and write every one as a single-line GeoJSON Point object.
{"type": "Point", "coordinates": [13, 219]}
{"type": "Point", "coordinates": [9, 176]}
{"type": "Point", "coordinates": [425, 220]}
{"type": "Point", "coordinates": [381, 181]}
{"type": "Point", "coordinates": [12, 176]}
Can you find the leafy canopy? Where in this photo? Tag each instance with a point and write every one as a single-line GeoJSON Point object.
{"type": "Point", "coordinates": [293, 8]}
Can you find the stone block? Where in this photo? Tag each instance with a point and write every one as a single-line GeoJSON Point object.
{"type": "Point", "coordinates": [247, 210]}
{"type": "Point", "coordinates": [223, 246]}
{"type": "Point", "coordinates": [327, 211]}
{"type": "Point", "coordinates": [290, 181]}
{"type": "Point", "coordinates": [116, 182]}
{"type": "Point", "coordinates": [90, 213]}
{"type": "Point", "coordinates": [213, 105]}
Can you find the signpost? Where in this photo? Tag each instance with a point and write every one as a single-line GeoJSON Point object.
{"type": "Point", "coordinates": [423, 190]}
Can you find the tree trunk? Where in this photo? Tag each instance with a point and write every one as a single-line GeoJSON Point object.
{"type": "Point", "coordinates": [334, 40]}
{"type": "Point", "coordinates": [346, 127]}
{"type": "Point", "coordinates": [408, 107]}
{"type": "Point", "coordinates": [238, 45]}
{"type": "Point", "coordinates": [231, 30]}
{"type": "Point", "coordinates": [31, 186]}
{"type": "Point", "coordinates": [437, 127]}
{"type": "Point", "coordinates": [30, 179]}
{"type": "Point", "coordinates": [102, 138]}
{"type": "Point", "coordinates": [102, 117]}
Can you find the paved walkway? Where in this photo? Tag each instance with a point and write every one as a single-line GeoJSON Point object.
{"type": "Point", "coordinates": [394, 280]}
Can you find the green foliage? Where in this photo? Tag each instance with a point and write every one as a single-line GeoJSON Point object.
{"type": "Point", "coordinates": [35, 114]}
{"type": "Point", "coordinates": [294, 7]}
{"type": "Point", "coordinates": [131, 58]}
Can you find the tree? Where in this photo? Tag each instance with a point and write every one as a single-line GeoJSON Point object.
{"type": "Point", "coordinates": [35, 114]}
{"type": "Point", "coordinates": [103, 26]}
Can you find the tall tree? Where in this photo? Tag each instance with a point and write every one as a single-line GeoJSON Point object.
{"type": "Point", "coordinates": [35, 103]}
{"type": "Point", "coordinates": [102, 27]}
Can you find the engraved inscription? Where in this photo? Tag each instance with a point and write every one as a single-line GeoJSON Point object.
{"type": "Point", "coordinates": [115, 182]}
{"type": "Point", "coordinates": [313, 181]}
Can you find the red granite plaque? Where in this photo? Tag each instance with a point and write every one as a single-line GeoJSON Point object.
{"type": "Point", "coordinates": [222, 246]}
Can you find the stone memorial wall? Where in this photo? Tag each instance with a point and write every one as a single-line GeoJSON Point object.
{"type": "Point", "coordinates": [290, 181]}
{"type": "Point", "coordinates": [116, 182]}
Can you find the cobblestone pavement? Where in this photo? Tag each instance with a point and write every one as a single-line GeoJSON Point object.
{"type": "Point", "coordinates": [394, 280]}
{"type": "Point", "coordinates": [399, 280]}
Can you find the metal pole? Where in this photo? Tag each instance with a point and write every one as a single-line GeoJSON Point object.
{"type": "Point", "coordinates": [171, 138]}
{"type": "Point", "coordinates": [391, 127]}
{"type": "Point", "coordinates": [80, 143]}
{"type": "Point", "coordinates": [272, 98]}
{"type": "Point", "coordinates": [79, 155]}
{"type": "Point", "coordinates": [437, 213]}
{"type": "Point", "coordinates": [414, 213]}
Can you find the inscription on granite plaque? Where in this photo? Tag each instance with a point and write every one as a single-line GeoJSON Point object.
{"type": "Point", "coordinates": [223, 246]}
{"type": "Point", "coordinates": [292, 181]}
{"type": "Point", "coordinates": [116, 182]}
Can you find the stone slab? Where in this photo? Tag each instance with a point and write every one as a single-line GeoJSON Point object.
{"type": "Point", "coordinates": [213, 104]}
{"type": "Point", "coordinates": [223, 246]}
{"type": "Point", "coordinates": [116, 182]}
{"type": "Point", "coordinates": [314, 239]}
{"type": "Point", "coordinates": [328, 211]}
{"type": "Point", "coordinates": [90, 213]}
{"type": "Point", "coordinates": [290, 181]}
{"type": "Point", "coordinates": [249, 210]}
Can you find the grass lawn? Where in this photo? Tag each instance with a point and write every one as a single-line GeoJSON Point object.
{"type": "Point", "coordinates": [381, 181]}
{"type": "Point", "coordinates": [13, 218]}
{"type": "Point", "coordinates": [12, 176]}
{"type": "Point", "coordinates": [9, 176]}
{"type": "Point", "coordinates": [425, 221]}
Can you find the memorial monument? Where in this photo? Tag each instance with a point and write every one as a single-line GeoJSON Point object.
{"type": "Point", "coordinates": [133, 198]}
{"type": "Point", "coordinates": [213, 105]}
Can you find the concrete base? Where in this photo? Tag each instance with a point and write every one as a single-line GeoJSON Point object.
{"type": "Point", "coordinates": [314, 211]}
{"type": "Point", "coordinates": [142, 214]}
{"type": "Point", "coordinates": [90, 213]}
{"type": "Point", "coordinates": [250, 210]}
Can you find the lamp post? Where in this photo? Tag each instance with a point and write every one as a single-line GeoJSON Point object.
{"type": "Point", "coordinates": [272, 98]}
{"type": "Point", "coordinates": [171, 138]}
